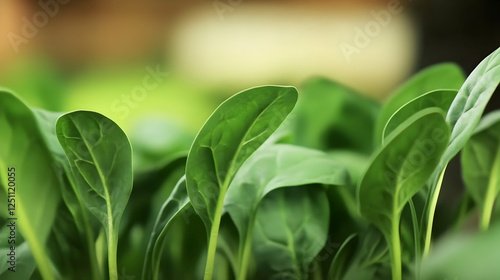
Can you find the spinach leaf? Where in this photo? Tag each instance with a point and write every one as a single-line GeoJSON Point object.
{"type": "Point", "coordinates": [398, 171]}
{"type": "Point", "coordinates": [464, 256]}
{"type": "Point", "coordinates": [232, 133]}
{"type": "Point", "coordinates": [370, 257]}
{"type": "Point", "coordinates": [463, 116]}
{"type": "Point", "coordinates": [24, 156]}
{"type": "Point", "coordinates": [342, 258]}
{"type": "Point", "coordinates": [100, 157]}
{"type": "Point", "coordinates": [469, 104]}
{"type": "Point", "coordinates": [481, 165]}
{"type": "Point", "coordinates": [269, 168]}
{"type": "Point", "coordinates": [291, 228]}
{"type": "Point", "coordinates": [68, 189]}
{"type": "Point", "coordinates": [322, 110]}
{"type": "Point", "coordinates": [177, 201]}
{"type": "Point", "coordinates": [440, 76]}
{"type": "Point", "coordinates": [438, 98]}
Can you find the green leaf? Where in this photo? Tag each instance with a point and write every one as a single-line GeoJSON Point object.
{"type": "Point", "coordinates": [232, 133]}
{"type": "Point", "coordinates": [321, 114]}
{"type": "Point", "coordinates": [440, 76]}
{"type": "Point", "coordinates": [68, 189]}
{"type": "Point", "coordinates": [464, 257]}
{"type": "Point", "coordinates": [342, 258]}
{"type": "Point", "coordinates": [177, 201]}
{"type": "Point", "coordinates": [370, 257]}
{"type": "Point", "coordinates": [269, 168]}
{"type": "Point", "coordinates": [291, 228]}
{"type": "Point", "coordinates": [36, 201]}
{"type": "Point", "coordinates": [25, 264]}
{"type": "Point", "coordinates": [438, 98]}
{"type": "Point", "coordinates": [467, 108]}
{"type": "Point", "coordinates": [481, 165]}
{"type": "Point", "coordinates": [100, 157]}
{"type": "Point", "coordinates": [398, 171]}
{"type": "Point", "coordinates": [463, 116]}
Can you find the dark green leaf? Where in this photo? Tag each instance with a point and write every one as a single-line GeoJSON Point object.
{"type": "Point", "coordinates": [342, 258]}
{"type": "Point", "coordinates": [234, 131]}
{"type": "Point", "coordinates": [68, 189]}
{"type": "Point", "coordinates": [402, 167]}
{"type": "Point", "coordinates": [273, 167]}
{"type": "Point", "coordinates": [100, 157]}
{"type": "Point", "coordinates": [321, 114]}
{"type": "Point", "coordinates": [177, 201]}
{"type": "Point", "coordinates": [291, 228]}
{"type": "Point", "coordinates": [399, 171]}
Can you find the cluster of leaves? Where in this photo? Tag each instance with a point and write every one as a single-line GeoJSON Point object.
{"type": "Point", "coordinates": [337, 187]}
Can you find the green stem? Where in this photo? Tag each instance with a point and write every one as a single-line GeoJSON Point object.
{"type": "Point", "coordinates": [491, 194]}
{"type": "Point", "coordinates": [416, 236]}
{"type": "Point", "coordinates": [395, 248]}
{"type": "Point", "coordinates": [245, 252]}
{"type": "Point", "coordinates": [214, 234]}
{"type": "Point", "coordinates": [112, 262]}
{"type": "Point", "coordinates": [96, 274]}
{"type": "Point", "coordinates": [430, 216]}
{"type": "Point", "coordinates": [112, 244]}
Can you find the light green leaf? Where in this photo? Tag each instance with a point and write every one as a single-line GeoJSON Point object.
{"type": "Point", "coordinates": [398, 171]}
{"type": "Point", "coordinates": [463, 116]}
{"type": "Point", "coordinates": [291, 228]}
{"type": "Point", "coordinates": [22, 148]}
{"type": "Point", "coordinates": [467, 108]}
{"type": "Point", "coordinates": [464, 257]}
{"type": "Point", "coordinates": [481, 165]}
{"type": "Point", "coordinates": [438, 98]}
{"type": "Point", "coordinates": [440, 76]}
{"type": "Point", "coordinates": [232, 133]}
{"type": "Point", "coordinates": [177, 201]}
{"type": "Point", "coordinates": [269, 168]}
{"type": "Point", "coordinates": [100, 157]}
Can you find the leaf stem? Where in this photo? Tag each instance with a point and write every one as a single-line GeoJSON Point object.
{"type": "Point", "coordinates": [245, 252]}
{"type": "Point", "coordinates": [395, 248]}
{"type": "Point", "coordinates": [112, 263]}
{"type": "Point", "coordinates": [94, 266]}
{"type": "Point", "coordinates": [432, 211]}
{"type": "Point", "coordinates": [491, 193]}
{"type": "Point", "coordinates": [416, 236]}
{"type": "Point", "coordinates": [214, 234]}
{"type": "Point", "coordinates": [112, 242]}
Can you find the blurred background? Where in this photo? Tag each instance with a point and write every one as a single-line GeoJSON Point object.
{"type": "Point", "coordinates": [134, 60]}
